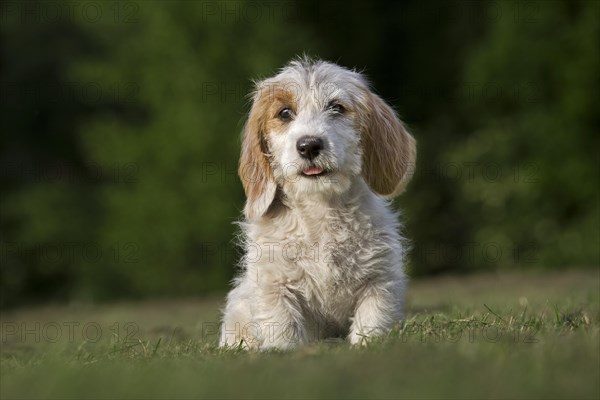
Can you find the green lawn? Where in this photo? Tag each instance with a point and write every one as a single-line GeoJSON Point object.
{"type": "Point", "coordinates": [513, 335]}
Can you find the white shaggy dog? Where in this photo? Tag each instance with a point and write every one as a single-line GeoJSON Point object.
{"type": "Point", "coordinates": [323, 252]}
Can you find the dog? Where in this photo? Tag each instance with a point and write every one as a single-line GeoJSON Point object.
{"type": "Point", "coordinates": [321, 156]}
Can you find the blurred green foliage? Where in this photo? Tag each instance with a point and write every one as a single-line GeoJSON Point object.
{"type": "Point", "coordinates": [120, 133]}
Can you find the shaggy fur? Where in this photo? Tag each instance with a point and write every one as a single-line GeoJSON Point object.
{"type": "Point", "coordinates": [323, 252]}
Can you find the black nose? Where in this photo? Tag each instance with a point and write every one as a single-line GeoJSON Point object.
{"type": "Point", "coordinates": [309, 146]}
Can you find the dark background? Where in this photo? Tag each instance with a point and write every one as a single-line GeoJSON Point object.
{"type": "Point", "coordinates": [120, 130]}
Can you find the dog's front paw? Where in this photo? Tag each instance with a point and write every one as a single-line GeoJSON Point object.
{"type": "Point", "coordinates": [283, 337]}
{"type": "Point", "coordinates": [358, 338]}
{"type": "Point", "coordinates": [363, 336]}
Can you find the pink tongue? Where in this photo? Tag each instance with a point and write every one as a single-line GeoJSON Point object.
{"type": "Point", "coordinates": [312, 171]}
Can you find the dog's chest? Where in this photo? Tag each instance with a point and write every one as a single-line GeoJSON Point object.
{"type": "Point", "coordinates": [324, 258]}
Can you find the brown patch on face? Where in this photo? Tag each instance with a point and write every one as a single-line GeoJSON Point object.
{"type": "Point", "coordinates": [280, 98]}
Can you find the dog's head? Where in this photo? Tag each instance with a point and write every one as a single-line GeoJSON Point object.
{"type": "Point", "coordinates": [313, 129]}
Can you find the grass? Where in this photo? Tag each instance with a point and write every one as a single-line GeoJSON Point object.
{"type": "Point", "coordinates": [490, 336]}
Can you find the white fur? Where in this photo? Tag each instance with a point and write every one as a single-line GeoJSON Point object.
{"type": "Point", "coordinates": [327, 258]}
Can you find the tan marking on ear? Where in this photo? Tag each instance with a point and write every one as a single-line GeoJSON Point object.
{"type": "Point", "coordinates": [389, 151]}
{"type": "Point", "coordinates": [255, 169]}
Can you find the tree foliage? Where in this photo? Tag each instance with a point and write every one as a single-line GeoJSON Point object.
{"type": "Point", "coordinates": [121, 135]}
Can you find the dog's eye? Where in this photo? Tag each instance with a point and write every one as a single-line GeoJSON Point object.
{"type": "Point", "coordinates": [335, 107]}
{"type": "Point", "coordinates": [285, 114]}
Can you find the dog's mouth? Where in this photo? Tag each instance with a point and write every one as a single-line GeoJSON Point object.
{"type": "Point", "coordinates": [314, 172]}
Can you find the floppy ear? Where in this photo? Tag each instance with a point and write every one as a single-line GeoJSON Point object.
{"type": "Point", "coordinates": [389, 151]}
{"type": "Point", "coordinates": [254, 169]}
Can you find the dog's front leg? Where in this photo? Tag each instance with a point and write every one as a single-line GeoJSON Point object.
{"type": "Point", "coordinates": [377, 309]}
{"type": "Point", "coordinates": [280, 318]}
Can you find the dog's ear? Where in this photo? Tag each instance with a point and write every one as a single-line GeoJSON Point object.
{"type": "Point", "coordinates": [255, 169]}
{"type": "Point", "coordinates": [389, 151]}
